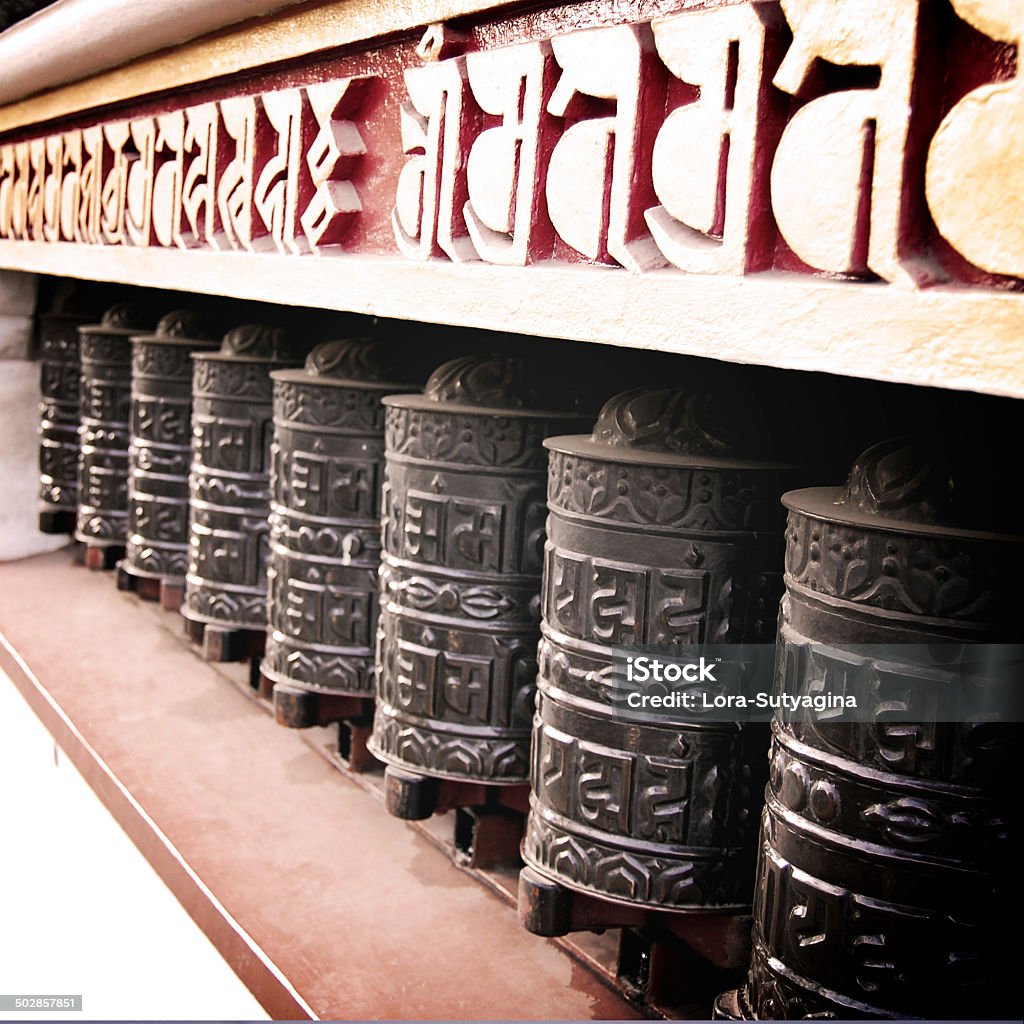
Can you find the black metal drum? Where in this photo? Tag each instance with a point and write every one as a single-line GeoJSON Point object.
{"type": "Point", "coordinates": [887, 882]}
{"type": "Point", "coordinates": [463, 508]}
{"type": "Point", "coordinates": [232, 430]}
{"type": "Point", "coordinates": [160, 450]}
{"type": "Point", "coordinates": [328, 461]}
{"type": "Point", "coordinates": [661, 536]}
{"type": "Point", "coordinates": [106, 357]}
{"type": "Point", "coordinates": [59, 419]}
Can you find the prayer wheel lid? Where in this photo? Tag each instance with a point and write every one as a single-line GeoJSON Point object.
{"type": "Point", "coordinates": [125, 318]}
{"type": "Point", "coordinates": [671, 427]}
{"type": "Point", "coordinates": [494, 385]}
{"type": "Point", "coordinates": [252, 343]}
{"type": "Point", "coordinates": [902, 485]}
{"type": "Point", "coordinates": [185, 327]}
{"type": "Point", "coordinates": [350, 362]}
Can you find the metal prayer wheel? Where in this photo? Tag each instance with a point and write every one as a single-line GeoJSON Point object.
{"type": "Point", "coordinates": [888, 874]}
{"type": "Point", "coordinates": [59, 419]}
{"type": "Point", "coordinates": [463, 513]}
{"type": "Point", "coordinates": [229, 484]}
{"type": "Point", "coordinates": [661, 537]}
{"type": "Point", "coordinates": [106, 359]}
{"type": "Point", "coordinates": [160, 452]}
{"type": "Point", "coordinates": [328, 461]}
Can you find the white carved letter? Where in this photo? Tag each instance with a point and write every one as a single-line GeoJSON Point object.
{"type": "Point", "coordinates": [19, 192]}
{"type": "Point", "coordinates": [975, 171]}
{"type": "Point", "coordinates": [709, 154]}
{"type": "Point", "coordinates": [71, 187]}
{"type": "Point", "coordinates": [6, 189]}
{"type": "Point", "coordinates": [91, 179]}
{"type": "Point", "coordinates": [138, 208]}
{"type": "Point", "coordinates": [431, 192]}
{"type": "Point", "coordinates": [839, 171]}
{"type": "Point", "coordinates": [284, 186]}
{"type": "Point", "coordinates": [202, 145]}
{"type": "Point", "coordinates": [506, 209]}
{"type": "Point", "coordinates": [602, 163]}
{"type": "Point", "coordinates": [52, 187]}
{"type": "Point", "coordinates": [329, 214]}
{"type": "Point", "coordinates": [35, 196]}
{"type": "Point", "coordinates": [115, 183]}
{"type": "Point", "coordinates": [236, 182]}
{"type": "Point", "coordinates": [168, 178]}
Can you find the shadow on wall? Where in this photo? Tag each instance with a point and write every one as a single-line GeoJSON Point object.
{"type": "Point", "coordinates": [19, 463]}
{"type": "Point", "coordinates": [19, 424]}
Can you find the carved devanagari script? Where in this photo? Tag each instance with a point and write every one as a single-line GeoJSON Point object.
{"type": "Point", "coordinates": [870, 140]}
{"type": "Point", "coordinates": [267, 172]}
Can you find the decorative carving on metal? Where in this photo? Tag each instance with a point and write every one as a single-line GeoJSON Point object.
{"type": "Point", "coordinates": [229, 484]}
{"type": "Point", "coordinates": [463, 512]}
{"type": "Point", "coordinates": [327, 465]}
{"type": "Point", "coordinates": [887, 848]}
{"type": "Point", "coordinates": [160, 451]}
{"type": "Point", "coordinates": [59, 418]}
{"type": "Point", "coordinates": [106, 360]}
{"type": "Point", "coordinates": [723, 138]}
{"type": "Point", "coordinates": [661, 534]}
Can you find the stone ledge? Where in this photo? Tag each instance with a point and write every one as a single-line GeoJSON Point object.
{"type": "Point", "coordinates": [957, 338]}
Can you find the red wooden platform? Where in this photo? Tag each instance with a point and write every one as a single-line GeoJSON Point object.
{"type": "Point", "coordinates": [324, 904]}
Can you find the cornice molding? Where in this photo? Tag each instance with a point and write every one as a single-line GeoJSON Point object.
{"type": "Point", "coordinates": [79, 55]}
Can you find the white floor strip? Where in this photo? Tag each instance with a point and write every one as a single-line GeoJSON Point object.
{"type": "Point", "coordinates": [81, 911]}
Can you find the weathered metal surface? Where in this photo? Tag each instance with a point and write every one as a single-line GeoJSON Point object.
{"type": "Point", "coordinates": [889, 861]}
{"type": "Point", "coordinates": [160, 449]}
{"type": "Point", "coordinates": [106, 355]}
{"type": "Point", "coordinates": [59, 418]}
{"type": "Point", "coordinates": [661, 535]}
{"type": "Point", "coordinates": [327, 464]}
{"type": "Point", "coordinates": [463, 513]}
{"type": "Point", "coordinates": [229, 484]}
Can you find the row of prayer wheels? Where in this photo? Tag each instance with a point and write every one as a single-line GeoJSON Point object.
{"type": "Point", "coordinates": [460, 563]}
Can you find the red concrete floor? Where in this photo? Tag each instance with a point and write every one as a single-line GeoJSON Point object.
{"type": "Point", "coordinates": [323, 903]}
